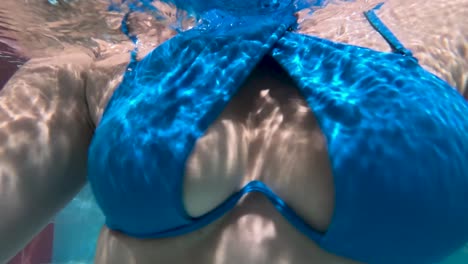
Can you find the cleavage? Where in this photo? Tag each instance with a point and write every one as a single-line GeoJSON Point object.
{"type": "Point", "coordinates": [268, 133]}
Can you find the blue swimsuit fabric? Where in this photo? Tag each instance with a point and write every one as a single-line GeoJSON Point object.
{"type": "Point", "coordinates": [396, 136]}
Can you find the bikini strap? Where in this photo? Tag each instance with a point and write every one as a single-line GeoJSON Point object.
{"type": "Point", "coordinates": [383, 30]}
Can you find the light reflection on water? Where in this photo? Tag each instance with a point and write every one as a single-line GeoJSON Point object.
{"type": "Point", "coordinates": [38, 28]}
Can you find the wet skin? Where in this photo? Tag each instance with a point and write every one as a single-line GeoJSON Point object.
{"type": "Point", "coordinates": [49, 109]}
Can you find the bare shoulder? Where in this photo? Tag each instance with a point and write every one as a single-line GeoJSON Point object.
{"type": "Point", "coordinates": [436, 31]}
{"type": "Point", "coordinates": [108, 70]}
{"type": "Point", "coordinates": [53, 77]}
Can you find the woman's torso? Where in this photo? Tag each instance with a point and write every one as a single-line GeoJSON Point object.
{"type": "Point", "coordinates": [272, 136]}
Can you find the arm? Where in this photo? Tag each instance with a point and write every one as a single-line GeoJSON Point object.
{"type": "Point", "coordinates": [44, 135]}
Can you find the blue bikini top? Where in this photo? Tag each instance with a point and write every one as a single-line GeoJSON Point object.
{"type": "Point", "coordinates": [396, 136]}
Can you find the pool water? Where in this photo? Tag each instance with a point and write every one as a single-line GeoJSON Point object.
{"type": "Point", "coordinates": [72, 236]}
{"type": "Point", "coordinates": [75, 235]}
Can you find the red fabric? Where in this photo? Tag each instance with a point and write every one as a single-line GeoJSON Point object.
{"type": "Point", "coordinates": [39, 250]}
{"type": "Point", "coordinates": [9, 62]}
